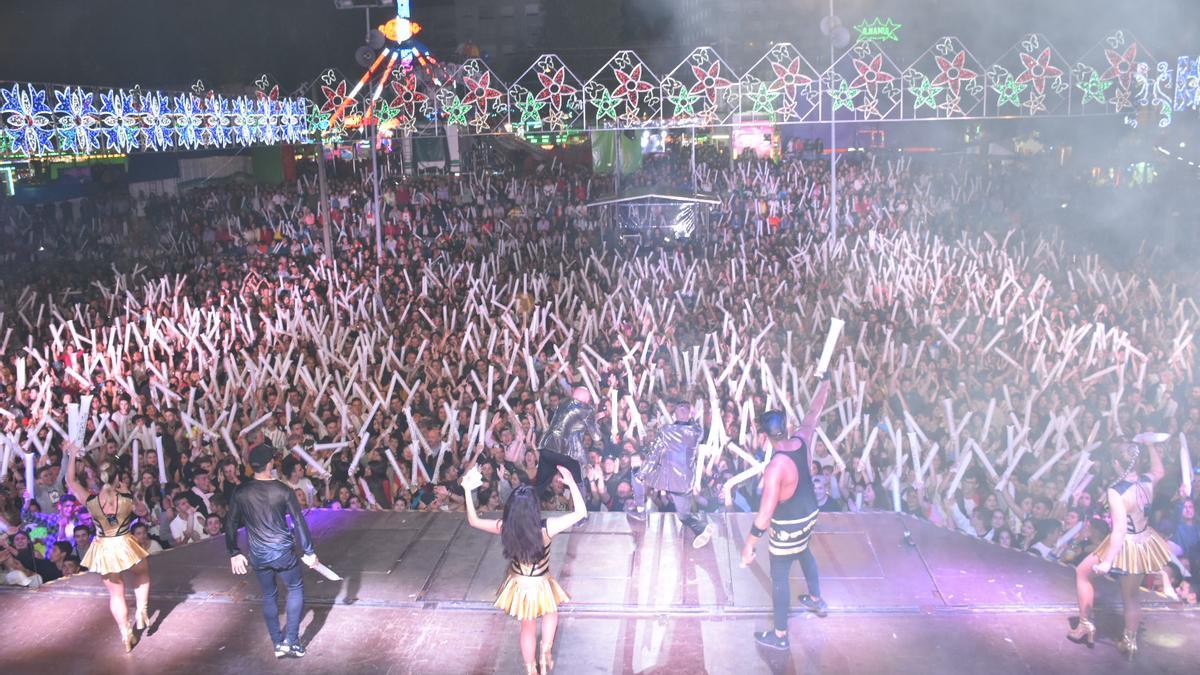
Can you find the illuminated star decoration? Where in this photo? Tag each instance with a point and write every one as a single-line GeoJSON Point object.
{"type": "Point", "coordinates": [951, 105]}
{"type": "Point", "coordinates": [554, 88]}
{"type": "Point", "coordinates": [480, 121]}
{"type": "Point", "coordinates": [406, 93]}
{"type": "Point", "coordinates": [456, 112]}
{"type": "Point", "coordinates": [531, 109]}
{"type": "Point", "coordinates": [869, 107]}
{"type": "Point", "coordinates": [763, 98]}
{"type": "Point", "coordinates": [1120, 99]}
{"type": "Point", "coordinates": [557, 119]}
{"type": "Point", "coordinates": [1037, 70]}
{"type": "Point", "coordinates": [606, 105]}
{"type": "Point", "coordinates": [708, 82]}
{"type": "Point", "coordinates": [480, 91]}
{"type": "Point", "coordinates": [684, 101]}
{"type": "Point", "coordinates": [843, 96]}
{"type": "Point", "coordinates": [1120, 66]}
{"type": "Point", "coordinates": [333, 97]}
{"type": "Point", "coordinates": [953, 72]}
{"type": "Point", "coordinates": [789, 79]}
{"type": "Point", "coordinates": [631, 84]}
{"type": "Point", "coordinates": [870, 75]}
{"type": "Point", "coordinates": [1093, 89]}
{"type": "Point", "coordinates": [926, 94]}
{"type": "Point", "coordinates": [1009, 91]}
{"type": "Point", "coordinates": [1036, 103]}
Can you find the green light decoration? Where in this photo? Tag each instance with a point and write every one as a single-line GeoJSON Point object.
{"type": "Point", "coordinates": [684, 101]}
{"type": "Point", "coordinates": [880, 30]}
{"type": "Point", "coordinates": [1009, 91]}
{"type": "Point", "coordinates": [531, 109]}
{"type": "Point", "coordinates": [843, 96]}
{"type": "Point", "coordinates": [926, 94]}
{"type": "Point", "coordinates": [456, 112]}
{"type": "Point", "coordinates": [763, 98]}
{"type": "Point", "coordinates": [386, 112]}
{"type": "Point", "coordinates": [1093, 89]}
{"type": "Point", "coordinates": [606, 105]}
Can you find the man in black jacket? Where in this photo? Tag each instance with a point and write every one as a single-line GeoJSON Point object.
{"type": "Point", "coordinates": [263, 505]}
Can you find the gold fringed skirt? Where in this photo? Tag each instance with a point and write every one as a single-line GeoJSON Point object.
{"type": "Point", "coordinates": [1143, 553]}
{"type": "Point", "coordinates": [113, 555]}
{"type": "Point", "coordinates": [530, 597]}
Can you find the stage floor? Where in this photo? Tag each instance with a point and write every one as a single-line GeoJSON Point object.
{"type": "Point", "coordinates": [418, 590]}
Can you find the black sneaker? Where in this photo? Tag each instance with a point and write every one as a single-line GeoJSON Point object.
{"type": "Point", "coordinates": [282, 649]}
{"type": "Point", "coordinates": [770, 640]}
{"type": "Point", "coordinates": [297, 651]}
{"type": "Point", "coordinates": [817, 606]}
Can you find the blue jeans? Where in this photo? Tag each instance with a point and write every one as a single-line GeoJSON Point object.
{"type": "Point", "coordinates": [294, 580]}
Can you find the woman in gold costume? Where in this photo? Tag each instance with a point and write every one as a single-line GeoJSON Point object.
{"type": "Point", "coordinates": [1134, 549]}
{"type": "Point", "coordinates": [529, 592]}
{"type": "Point", "coordinates": [114, 550]}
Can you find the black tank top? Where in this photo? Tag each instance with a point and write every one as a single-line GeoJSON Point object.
{"type": "Point", "coordinates": [803, 501]}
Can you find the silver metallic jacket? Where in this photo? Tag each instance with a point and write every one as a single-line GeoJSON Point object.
{"type": "Point", "coordinates": [565, 433]}
{"type": "Point", "coordinates": [671, 459]}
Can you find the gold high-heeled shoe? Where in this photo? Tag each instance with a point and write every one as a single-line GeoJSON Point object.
{"type": "Point", "coordinates": [531, 668]}
{"type": "Point", "coordinates": [1084, 633]}
{"type": "Point", "coordinates": [128, 637]}
{"type": "Point", "coordinates": [143, 618]}
{"type": "Point", "coordinates": [1128, 644]}
{"type": "Point", "coordinates": [547, 659]}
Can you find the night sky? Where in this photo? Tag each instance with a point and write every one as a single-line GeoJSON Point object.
{"type": "Point", "coordinates": [171, 43]}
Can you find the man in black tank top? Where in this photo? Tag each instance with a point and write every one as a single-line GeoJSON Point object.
{"type": "Point", "coordinates": [788, 513]}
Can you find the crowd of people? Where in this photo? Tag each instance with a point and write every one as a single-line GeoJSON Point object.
{"type": "Point", "coordinates": [980, 366]}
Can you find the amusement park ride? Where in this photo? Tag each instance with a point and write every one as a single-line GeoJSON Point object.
{"type": "Point", "coordinates": [407, 59]}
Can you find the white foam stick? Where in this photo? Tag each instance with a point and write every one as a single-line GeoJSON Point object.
{"type": "Point", "coordinates": [391, 457]}
{"type": "Point", "coordinates": [230, 444]}
{"type": "Point", "coordinates": [29, 482]}
{"type": "Point", "coordinates": [309, 460]}
{"type": "Point", "coordinates": [5, 456]}
{"type": "Point", "coordinates": [963, 462]}
{"type": "Point", "coordinates": [255, 424]}
{"type": "Point", "coordinates": [1099, 374]}
{"type": "Point", "coordinates": [987, 421]}
{"type": "Point", "coordinates": [362, 485]}
{"type": "Point", "coordinates": [835, 329]}
{"type": "Point", "coordinates": [330, 446]}
{"type": "Point", "coordinates": [162, 467]}
{"type": "Point", "coordinates": [832, 450]}
{"type": "Point", "coordinates": [1185, 463]}
{"type": "Point", "coordinates": [864, 459]}
{"type": "Point", "coordinates": [1012, 466]}
{"type": "Point", "coordinates": [136, 449]}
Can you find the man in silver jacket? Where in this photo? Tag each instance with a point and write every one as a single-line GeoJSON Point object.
{"type": "Point", "coordinates": [671, 467]}
{"type": "Point", "coordinates": [562, 443]}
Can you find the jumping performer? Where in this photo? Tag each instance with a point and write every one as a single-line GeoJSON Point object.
{"type": "Point", "coordinates": [1133, 549]}
{"type": "Point", "coordinates": [562, 443]}
{"type": "Point", "coordinates": [671, 467]}
{"type": "Point", "coordinates": [529, 592]}
{"type": "Point", "coordinates": [789, 510]}
{"type": "Point", "coordinates": [115, 550]}
{"type": "Point", "coordinates": [263, 505]}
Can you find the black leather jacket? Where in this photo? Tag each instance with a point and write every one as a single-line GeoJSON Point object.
{"type": "Point", "coordinates": [565, 434]}
{"type": "Point", "coordinates": [263, 506]}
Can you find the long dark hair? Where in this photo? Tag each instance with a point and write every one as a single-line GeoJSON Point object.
{"type": "Point", "coordinates": [521, 534]}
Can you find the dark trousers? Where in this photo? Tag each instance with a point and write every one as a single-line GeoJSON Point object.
{"type": "Point", "coordinates": [780, 589]}
{"type": "Point", "coordinates": [548, 463]}
{"type": "Point", "coordinates": [685, 505]}
{"type": "Point", "coordinates": [293, 579]}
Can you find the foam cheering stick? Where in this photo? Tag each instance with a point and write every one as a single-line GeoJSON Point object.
{"type": "Point", "coordinates": [835, 330]}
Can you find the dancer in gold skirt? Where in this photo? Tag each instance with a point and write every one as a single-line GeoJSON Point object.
{"type": "Point", "coordinates": [114, 550]}
{"type": "Point", "coordinates": [529, 592]}
{"type": "Point", "coordinates": [1134, 549]}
